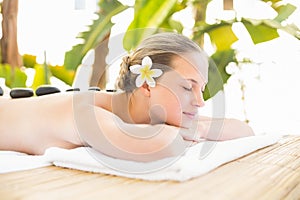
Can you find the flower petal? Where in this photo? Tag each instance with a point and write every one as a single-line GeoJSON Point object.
{"type": "Point", "coordinates": [135, 69]}
{"type": "Point", "coordinates": [156, 72]}
{"type": "Point", "coordinates": [139, 81]}
{"type": "Point", "coordinates": [150, 82]}
{"type": "Point", "coordinates": [147, 61]}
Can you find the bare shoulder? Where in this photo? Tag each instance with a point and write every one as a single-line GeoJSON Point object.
{"type": "Point", "coordinates": [58, 101]}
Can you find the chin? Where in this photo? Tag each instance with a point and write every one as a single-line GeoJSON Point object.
{"type": "Point", "coordinates": [186, 125]}
{"type": "Point", "coordinates": [183, 124]}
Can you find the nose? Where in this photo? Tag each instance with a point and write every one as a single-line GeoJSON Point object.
{"type": "Point", "coordinates": [198, 99]}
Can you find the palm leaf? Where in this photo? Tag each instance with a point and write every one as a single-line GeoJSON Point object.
{"type": "Point", "coordinates": [217, 75]}
{"type": "Point", "coordinates": [97, 32]}
{"type": "Point", "coordinates": [14, 77]}
{"type": "Point", "coordinates": [260, 31]}
{"type": "Point", "coordinates": [146, 20]}
{"type": "Point", "coordinates": [284, 11]}
{"type": "Point", "coordinates": [222, 36]}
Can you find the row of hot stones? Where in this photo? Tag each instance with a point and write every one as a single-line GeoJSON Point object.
{"type": "Point", "coordinates": [42, 90]}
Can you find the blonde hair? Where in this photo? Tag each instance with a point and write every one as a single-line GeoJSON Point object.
{"type": "Point", "coordinates": [160, 48]}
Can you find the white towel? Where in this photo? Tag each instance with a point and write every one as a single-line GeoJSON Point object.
{"type": "Point", "coordinates": [11, 161]}
{"type": "Point", "coordinates": [197, 160]}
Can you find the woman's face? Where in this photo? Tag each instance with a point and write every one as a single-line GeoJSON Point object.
{"type": "Point", "coordinates": [178, 94]}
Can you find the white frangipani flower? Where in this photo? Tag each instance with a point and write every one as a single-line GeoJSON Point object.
{"type": "Point", "coordinates": [145, 72]}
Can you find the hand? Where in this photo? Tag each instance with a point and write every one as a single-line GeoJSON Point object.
{"type": "Point", "coordinates": [194, 133]}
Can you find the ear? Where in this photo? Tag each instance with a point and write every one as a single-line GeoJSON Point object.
{"type": "Point", "coordinates": [146, 90]}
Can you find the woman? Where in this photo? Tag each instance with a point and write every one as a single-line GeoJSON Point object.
{"type": "Point", "coordinates": [153, 117]}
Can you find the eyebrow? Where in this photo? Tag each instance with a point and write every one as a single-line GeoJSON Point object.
{"type": "Point", "coordinates": [194, 81]}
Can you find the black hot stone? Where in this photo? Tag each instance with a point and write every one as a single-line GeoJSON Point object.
{"type": "Point", "coordinates": [1, 91]}
{"type": "Point", "coordinates": [73, 90]}
{"type": "Point", "coordinates": [95, 89]}
{"type": "Point", "coordinates": [111, 90]}
{"type": "Point", "coordinates": [43, 90]}
{"type": "Point", "coordinates": [21, 93]}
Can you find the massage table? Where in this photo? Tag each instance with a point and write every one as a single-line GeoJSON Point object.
{"type": "Point", "coordinates": [272, 172]}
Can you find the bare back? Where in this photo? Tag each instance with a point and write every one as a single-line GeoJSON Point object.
{"type": "Point", "coordinates": [32, 125]}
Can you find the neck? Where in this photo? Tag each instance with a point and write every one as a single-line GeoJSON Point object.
{"type": "Point", "coordinates": [138, 108]}
{"type": "Point", "coordinates": [131, 108]}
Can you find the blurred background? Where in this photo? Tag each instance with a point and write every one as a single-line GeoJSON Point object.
{"type": "Point", "coordinates": [253, 44]}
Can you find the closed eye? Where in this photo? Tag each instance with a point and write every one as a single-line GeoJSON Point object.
{"type": "Point", "coordinates": [187, 88]}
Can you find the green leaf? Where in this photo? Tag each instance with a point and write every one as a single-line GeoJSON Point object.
{"type": "Point", "coordinates": [274, 3]}
{"type": "Point", "coordinates": [259, 31]}
{"type": "Point", "coordinates": [222, 36]}
{"type": "Point", "coordinates": [139, 4]}
{"type": "Point", "coordinates": [146, 21]}
{"type": "Point", "coordinates": [217, 75]}
{"type": "Point", "coordinates": [169, 23]}
{"type": "Point", "coordinates": [40, 77]}
{"type": "Point", "coordinates": [291, 29]}
{"type": "Point", "coordinates": [284, 11]}
{"type": "Point", "coordinates": [14, 77]}
{"type": "Point", "coordinates": [5, 72]}
{"type": "Point", "coordinates": [29, 60]}
{"type": "Point", "coordinates": [176, 25]}
{"type": "Point", "coordinates": [19, 78]}
{"type": "Point", "coordinates": [63, 74]}
{"type": "Point", "coordinates": [99, 29]}
{"type": "Point", "coordinates": [107, 6]}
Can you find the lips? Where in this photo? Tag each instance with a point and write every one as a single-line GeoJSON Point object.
{"type": "Point", "coordinates": [190, 115]}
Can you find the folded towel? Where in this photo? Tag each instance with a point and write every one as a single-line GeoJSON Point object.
{"type": "Point", "coordinates": [197, 160]}
{"type": "Point", "coordinates": [11, 161]}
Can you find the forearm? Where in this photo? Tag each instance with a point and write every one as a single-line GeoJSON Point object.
{"type": "Point", "coordinates": [225, 129]}
{"type": "Point", "coordinates": [111, 136]}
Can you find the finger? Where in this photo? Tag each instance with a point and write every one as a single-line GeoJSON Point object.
{"type": "Point", "coordinates": [190, 143]}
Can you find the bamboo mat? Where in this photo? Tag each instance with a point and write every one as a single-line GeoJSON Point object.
{"type": "Point", "coordinates": [269, 173]}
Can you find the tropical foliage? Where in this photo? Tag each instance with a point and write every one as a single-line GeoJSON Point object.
{"type": "Point", "coordinates": [154, 16]}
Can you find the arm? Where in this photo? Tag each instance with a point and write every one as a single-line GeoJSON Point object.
{"type": "Point", "coordinates": [218, 129]}
{"type": "Point", "coordinates": [108, 134]}
{"type": "Point", "coordinates": [225, 129]}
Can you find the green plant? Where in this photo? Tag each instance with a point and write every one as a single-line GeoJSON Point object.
{"type": "Point", "coordinates": [97, 32]}
{"type": "Point", "coordinates": [14, 77]}
{"type": "Point", "coordinates": [158, 15]}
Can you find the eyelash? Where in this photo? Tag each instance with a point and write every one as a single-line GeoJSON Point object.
{"type": "Point", "coordinates": [188, 89]}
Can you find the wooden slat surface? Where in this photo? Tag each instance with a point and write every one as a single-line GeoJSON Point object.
{"type": "Point", "coordinates": [269, 173]}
